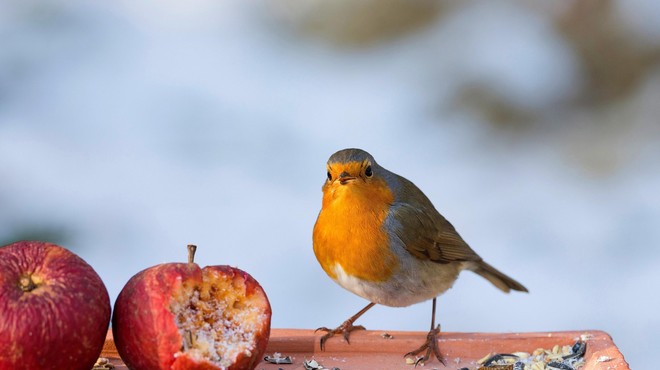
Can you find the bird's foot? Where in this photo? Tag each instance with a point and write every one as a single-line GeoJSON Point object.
{"type": "Point", "coordinates": [346, 328]}
{"type": "Point", "coordinates": [431, 346]}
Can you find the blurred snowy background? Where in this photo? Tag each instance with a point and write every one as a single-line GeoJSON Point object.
{"type": "Point", "coordinates": [130, 129]}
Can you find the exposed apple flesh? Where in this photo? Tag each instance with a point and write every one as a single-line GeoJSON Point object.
{"type": "Point", "coordinates": [223, 319]}
{"type": "Point", "coordinates": [179, 316]}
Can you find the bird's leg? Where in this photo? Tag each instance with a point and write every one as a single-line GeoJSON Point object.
{"type": "Point", "coordinates": [346, 328]}
{"type": "Point", "coordinates": [431, 344]}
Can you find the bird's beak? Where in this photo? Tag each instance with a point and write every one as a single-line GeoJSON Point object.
{"type": "Point", "coordinates": [345, 177]}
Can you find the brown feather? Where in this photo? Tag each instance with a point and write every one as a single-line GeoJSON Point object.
{"type": "Point", "coordinates": [436, 238]}
{"type": "Point", "coordinates": [498, 279]}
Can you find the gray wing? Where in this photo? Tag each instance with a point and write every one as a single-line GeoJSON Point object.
{"type": "Point", "coordinates": [424, 232]}
{"type": "Point", "coordinates": [428, 235]}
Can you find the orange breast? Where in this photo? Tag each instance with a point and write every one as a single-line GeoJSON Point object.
{"type": "Point", "coordinates": [349, 230]}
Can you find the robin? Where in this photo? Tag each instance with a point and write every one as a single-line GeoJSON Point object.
{"type": "Point", "coordinates": [380, 237]}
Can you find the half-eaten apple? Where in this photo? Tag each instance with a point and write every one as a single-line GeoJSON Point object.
{"type": "Point", "coordinates": [177, 316]}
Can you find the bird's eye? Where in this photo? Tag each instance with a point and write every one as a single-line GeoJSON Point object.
{"type": "Point", "coordinates": [368, 172]}
{"type": "Point", "coordinates": [329, 176]}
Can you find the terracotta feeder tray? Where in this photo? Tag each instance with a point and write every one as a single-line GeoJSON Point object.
{"type": "Point", "coordinates": [383, 350]}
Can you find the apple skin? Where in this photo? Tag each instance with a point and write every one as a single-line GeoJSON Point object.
{"type": "Point", "coordinates": [144, 327]}
{"type": "Point", "coordinates": [54, 309]}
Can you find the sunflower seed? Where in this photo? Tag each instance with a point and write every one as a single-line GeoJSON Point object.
{"type": "Point", "coordinates": [278, 359]}
{"type": "Point", "coordinates": [559, 365]}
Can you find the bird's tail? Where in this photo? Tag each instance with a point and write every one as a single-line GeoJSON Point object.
{"type": "Point", "coordinates": [498, 279]}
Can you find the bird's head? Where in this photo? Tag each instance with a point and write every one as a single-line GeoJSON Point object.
{"type": "Point", "coordinates": [349, 166]}
{"type": "Point", "coordinates": [354, 171]}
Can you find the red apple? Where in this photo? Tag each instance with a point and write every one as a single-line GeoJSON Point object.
{"type": "Point", "coordinates": [177, 316]}
{"type": "Point", "coordinates": [54, 309]}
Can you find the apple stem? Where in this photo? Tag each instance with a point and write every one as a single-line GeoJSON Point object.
{"type": "Point", "coordinates": [191, 253]}
{"type": "Point", "coordinates": [26, 284]}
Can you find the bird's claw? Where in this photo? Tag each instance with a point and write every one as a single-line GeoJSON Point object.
{"type": "Point", "coordinates": [431, 346]}
{"type": "Point", "coordinates": [346, 328]}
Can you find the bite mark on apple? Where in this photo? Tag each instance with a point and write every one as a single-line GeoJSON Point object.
{"type": "Point", "coordinates": [217, 320]}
